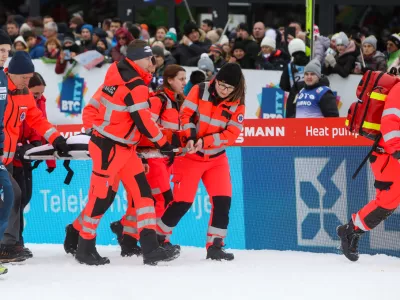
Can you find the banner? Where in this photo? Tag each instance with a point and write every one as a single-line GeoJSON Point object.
{"type": "Point", "coordinates": [66, 97]}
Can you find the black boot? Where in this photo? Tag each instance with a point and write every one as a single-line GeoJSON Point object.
{"type": "Point", "coordinates": [129, 246]}
{"type": "Point", "coordinates": [152, 252]}
{"type": "Point", "coordinates": [12, 253]}
{"type": "Point", "coordinates": [215, 251]}
{"type": "Point", "coordinates": [117, 229]}
{"type": "Point", "coordinates": [71, 239]}
{"type": "Point", "coordinates": [165, 244]}
{"type": "Point", "coordinates": [349, 239]}
{"type": "Point", "coordinates": [87, 253]}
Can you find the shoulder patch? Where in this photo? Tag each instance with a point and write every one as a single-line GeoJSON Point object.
{"type": "Point", "coordinates": [240, 118]}
{"type": "Point", "coordinates": [319, 90]}
{"type": "Point", "coordinates": [109, 90]}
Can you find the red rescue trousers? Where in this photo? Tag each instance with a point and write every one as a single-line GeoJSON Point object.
{"type": "Point", "coordinates": [386, 170]}
{"type": "Point", "coordinates": [187, 173]}
{"type": "Point", "coordinates": [113, 162]}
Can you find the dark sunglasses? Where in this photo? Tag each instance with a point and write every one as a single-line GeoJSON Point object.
{"type": "Point", "coordinates": [121, 38]}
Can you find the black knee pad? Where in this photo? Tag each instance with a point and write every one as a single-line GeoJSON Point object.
{"type": "Point", "coordinates": [175, 212]}
{"type": "Point", "coordinates": [378, 215]}
{"type": "Point", "coordinates": [221, 207]}
{"type": "Point", "coordinates": [168, 197]}
{"type": "Point", "coordinates": [103, 204]}
{"type": "Point", "coordinates": [144, 187]}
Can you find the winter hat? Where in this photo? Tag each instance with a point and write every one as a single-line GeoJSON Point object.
{"type": "Point", "coordinates": [136, 51]}
{"type": "Point", "coordinates": [370, 40]}
{"type": "Point", "coordinates": [342, 39]}
{"type": "Point", "coordinates": [190, 27]}
{"type": "Point", "coordinates": [230, 73]}
{"type": "Point", "coordinates": [69, 37]}
{"type": "Point", "coordinates": [395, 38]}
{"type": "Point", "coordinates": [271, 33]}
{"type": "Point", "coordinates": [239, 45]}
{"type": "Point", "coordinates": [24, 28]}
{"type": "Point", "coordinates": [173, 30]}
{"type": "Point", "coordinates": [100, 33]}
{"type": "Point", "coordinates": [21, 63]}
{"type": "Point", "coordinates": [296, 45]}
{"type": "Point", "coordinates": [205, 63]}
{"type": "Point", "coordinates": [334, 37]}
{"type": "Point", "coordinates": [314, 66]}
{"type": "Point", "coordinates": [268, 42]}
{"type": "Point", "coordinates": [243, 26]}
{"type": "Point", "coordinates": [172, 36]}
{"type": "Point", "coordinates": [158, 51]}
{"type": "Point", "coordinates": [88, 27]}
{"type": "Point", "coordinates": [20, 39]}
{"type": "Point", "coordinates": [216, 48]}
{"type": "Point", "coordinates": [4, 38]}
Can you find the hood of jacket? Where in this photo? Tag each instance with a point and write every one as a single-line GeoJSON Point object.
{"type": "Point", "coordinates": [350, 49]}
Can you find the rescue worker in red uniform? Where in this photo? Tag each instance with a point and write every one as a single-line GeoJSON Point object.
{"type": "Point", "coordinates": [212, 119]}
{"type": "Point", "coordinates": [165, 106]}
{"type": "Point", "coordinates": [385, 164]}
{"type": "Point", "coordinates": [21, 107]}
{"type": "Point", "coordinates": [123, 117]}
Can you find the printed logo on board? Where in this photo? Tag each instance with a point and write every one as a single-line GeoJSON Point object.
{"type": "Point", "coordinates": [72, 92]}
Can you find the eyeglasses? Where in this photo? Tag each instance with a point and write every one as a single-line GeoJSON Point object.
{"type": "Point", "coordinates": [225, 87]}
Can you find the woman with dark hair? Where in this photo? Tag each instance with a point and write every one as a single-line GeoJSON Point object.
{"type": "Point", "coordinates": [28, 138]}
{"type": "Point", "coordinates": [212, 118]}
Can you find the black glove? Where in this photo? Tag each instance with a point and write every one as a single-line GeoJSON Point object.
{"type": "Point", "coordinates": [50, 170]}
{"type": "Point", "coordinates": [19, 154]}
{"type": "Point", "coordinates": [60, 144]}
{"type": "Point", "coordinates": [168, 150]}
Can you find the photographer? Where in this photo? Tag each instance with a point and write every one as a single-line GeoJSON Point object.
{"type": "Point", "coordinates": [69, 50]}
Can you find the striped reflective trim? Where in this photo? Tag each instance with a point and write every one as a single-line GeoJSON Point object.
{"type": "Point", "coordinates": [80, 221]}
{"type": "Point", "coordinates": [391, 111]}
{"type": "Point", "coordinates": [156, 191]}
{"type": "Point", "coordinates": [391, 135]}
{"type": "Point", "coordinates": [154, 116]}
{"type": "Point", "coordinates": [189, 104]}
{"type": "Point", "coordinates": [212, 151]}
{"type": "Point", "coordinates": [132, 108]}
{"type": "Point", "coordinates": [166, 229]}
{"type": "Point", "coordinates": [131, 218]}
{"type": "Point", "coordinates": [359, 223]}
{"type": "Point", "coordinates": [236, 124]}
{"type": "Point", "coordinates": [90, 220]}
{"type": "Point", "coordinates": [204, 118]}
{"type": "Point", "coordinates": [189, 126]}
{"type": "Point", "coordinates": [139, 106]}
{"type": "Point", "coordinates": [369, 125]}
{"type": "Point", "coordinates": [378, 96]}
{"type": "Point", "coordinates": [147, 222]}
{"type": "Point", "coordinates": [169, 125]}
{"type": "Point", "coordinates": [211, 238]}
{"type": "Point", "coordinates": [9, 154]}
{"type": "Point", "coordinates": [169, 104]}
{"type": "Point", "coordinates": [88, 230]}
{"type": "Point", "coordinates": [88, 131]}
{"type": "Point", "coordinates": [113, 137]}
{"type": "Point", "coordinates": [206, 93]}
{"type": "Point", "coordinates": [49, 132]}
{"type": "Point", "coordinates": [157, 138]}
{"type": "Point", "coordinates": [130, 230]}
{"type": "Point", "coordinates": [94, 103]}
{"type": "Point", "coordinates": [217, 140]}
{"type": "Point", "coordinates": [233, 108]}
{"type": "Point", "coordinates": [145, 210]}
{"type": "Point", "coordinates": [217, 231]}
{"type": "Point", "coordinates": [215, 122]}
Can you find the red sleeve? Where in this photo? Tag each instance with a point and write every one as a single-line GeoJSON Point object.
{"type": "Point", "coordinates": [60, 67]}
{"type": "Point", "coordinates": [390, 123]}
{"type": "Point", "coordinates": [35, 119]}
{"type": "Point", "coordinates": [91, 110]}
{"type": "Point", "coordinates": [155, 107]}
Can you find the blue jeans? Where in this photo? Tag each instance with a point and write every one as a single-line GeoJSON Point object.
{"type": "Point", "coordinates": [6, 198]}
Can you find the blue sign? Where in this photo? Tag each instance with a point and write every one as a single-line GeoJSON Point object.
{"type": "Point", "coordinates": [71, 97]}
{"type": "Point", "coordinates": [272, 104]}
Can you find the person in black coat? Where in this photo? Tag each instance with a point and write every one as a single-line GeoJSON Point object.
{"type": "Point", "coordinates": [240, 56]}
{"type": "Point", "coordinates": [269, 58]}
{"type": "Point", "coordinates": [250, 45]}
{"type": "Point", "coordinates": [189, 50]}
{"type": "Point", "coordinates": [292, 78]}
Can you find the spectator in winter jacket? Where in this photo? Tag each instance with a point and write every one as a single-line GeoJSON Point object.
{"type": "Point", "coordinates": [86, 38]}
{"type": "Point", "coordinates": [292, 78]}
{"type": "Point", "coordinates": [52, 48]}
{"type": "Point", "coordinates": [170, 42]}
{"type": "Point", "coordinates": [315, 100]}
{"type": "Point", "coordinates": [160, 35]}
{"type": "Point", "coordinates": [69, 50]}
{"type": "Point", "coordinates": [321, 45]}
{"type": "Point", "coordinates": [259, 32]}
{"type": "Point", "coordinates": [393, 50]}
{"type": "Point", "coordinates": [191, 47]}
{"type": "Point", "coordinates": [20, 44]}
{"type": "Point", "coordinates": [250, 45]}
{"type": "Point", "coordinates": [207, 25]}
{"type": "Point", "coordinates": [161, 64]}
{"type": "Point", "coordinates": [217, 56]}
{"type": "Point", "coordinates": [269, 58]}
{"type": "Point", "coordinates": [123, 37]}
{"type": "Point", "coordinates": [12, 30]}
{"type": "Point", "coordinates": [206, 65]}
{"type": "Point", "coordinates": [50, 30]}
{"type": "Point", "coordinates": [168, 58]}
{"type": "Point", "coordinates": [343, 63]}
{"type": "Point", "coordinates": [240, 56]}
{"type": "Point", "coordinates": [374, 60]}
{"type": "Point", "coordinates": [35, 44]}
{"type": "Point", "coordinates": [103, 47]}
{"type": "Point", "coordinates": [97, 35]}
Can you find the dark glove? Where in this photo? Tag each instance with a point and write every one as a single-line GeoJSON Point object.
{"type": "Point", "coordinates": [50, 170]}
{"type": "Point", "coordinates": [60, 144]}
{"type": "Point", "coordinates": [19, 154]}
{"type": "Point", "coordinates": [168, 150]}
{"type": "Point", "coordinates": [176, 143]}
{"type": "Point", "coordinates": [144, 161]}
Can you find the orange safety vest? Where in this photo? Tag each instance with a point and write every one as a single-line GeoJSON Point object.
{"type": "Point", "coordinates": [217, 123]}
{"type": "Point", "coordinates": [21, 106]}
{"type": "Point", "coordinates": [122, 106]}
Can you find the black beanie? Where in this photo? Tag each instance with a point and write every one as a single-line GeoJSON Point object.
{"type": "Point", "coordinates": [230, 73]}
{"type": "Point", "coordinates": [4, 38]}
{"type": "Point", "coordinates": [21, 63]}
{"type": "Point", "coordinates": [134, 53]}
{"type": "Point", "coordinates": [190, 27]}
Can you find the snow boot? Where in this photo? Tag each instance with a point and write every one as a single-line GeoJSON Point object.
{"type": "Point", "coordinates": [88, 255]}
{"type": "Point", "coordinates": [71, 239]}
{"type": "Point", "coordinates": [129, 246]}
{"type": "Point", "coordinates": [117, 229]}
{"type": "Point", "coordinates": [349, 238]}
{"type": "Point", "coordinates": [166, 244]}
{"type": "Point", "coordinates": [153, 253]}
{"type": "Point", "coordinates": [215, 251]}
{"type": "Point", "coordinates": [12, 253]}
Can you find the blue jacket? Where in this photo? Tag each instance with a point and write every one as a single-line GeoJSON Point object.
{"type": "Point", "coordinates": [38, 50]}
{"type": "Point", "coordinates": [3, 104]}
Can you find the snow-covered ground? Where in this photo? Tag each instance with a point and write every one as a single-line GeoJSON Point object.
{"type": "Point", "coordinates": [254, 275]}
